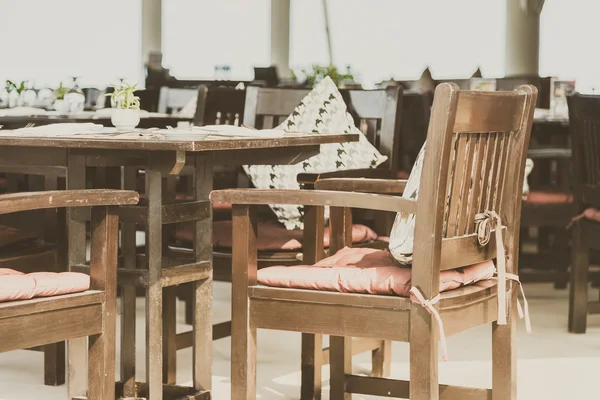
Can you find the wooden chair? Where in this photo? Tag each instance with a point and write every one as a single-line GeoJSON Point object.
{"type": "Point", "coordinates": [219, 106]}
{"type": "Point", "coordinates": [91, 313]}
{"type": "Point", "coordinates": [498, 125]}
{"type": "Point", "coordinates": [584, 112]}
{"type": "Point", "coordinates": [38, 253]}
{"type": "Point", "coordinates": [377, 113]}
{"type": "Point", "coordinates": [172, 100]}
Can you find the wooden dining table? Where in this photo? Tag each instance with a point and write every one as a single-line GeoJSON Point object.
{"type": "Point", "coordinates": [147, 120]}
{"type": "Point", "coordinates": [160, 157]}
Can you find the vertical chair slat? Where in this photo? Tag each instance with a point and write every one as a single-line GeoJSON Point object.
{"type": "Point", "coordinates": [457, 182]}
{"type": "Point", "coordinates": [475, 195]}
{"type": "Point", "coordinates": [506, 146]}
{"type": "Point", "coordinates": [467, 184]}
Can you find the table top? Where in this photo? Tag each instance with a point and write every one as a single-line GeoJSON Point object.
{"type": "Point", "coordinates": [172, 141]}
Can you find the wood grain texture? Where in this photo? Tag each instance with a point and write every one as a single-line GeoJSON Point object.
{"type": "Point", "coordinates": [15, 202]}
{"type": "Point", "coordinates": [314, 198]}
{"type": "Point", "coordinates": [363, 185]}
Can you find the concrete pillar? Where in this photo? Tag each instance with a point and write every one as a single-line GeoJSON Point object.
{"type": "Point", "coordinates": [280, 37]}
{"type": "Point", "coordinates": [151, 28]}
{"type": "Point", "coordinates": [522, 40]}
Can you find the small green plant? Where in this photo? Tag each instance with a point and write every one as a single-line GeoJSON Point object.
{"type": "Point", "coordinates": [60, 92]}
{"type": "Point", "coordinates": [124, 97]}
{"type": "Point", "coordinates": [13, 86]}
{"type": "Point", "coordinates": [319, 72]}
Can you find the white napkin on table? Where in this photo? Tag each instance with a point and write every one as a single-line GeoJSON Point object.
{"type": "Point", "coordinates": [22, 112]}
{"type": "Point", "coordinates": [61, 129]}
{"type": "Point", "coordinates": [239, 131]}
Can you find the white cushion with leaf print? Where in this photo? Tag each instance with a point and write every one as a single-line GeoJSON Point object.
{"type": "Point", "coordinates": [403, 230]}
{"type": "Point", "coordinates": [322, 111]}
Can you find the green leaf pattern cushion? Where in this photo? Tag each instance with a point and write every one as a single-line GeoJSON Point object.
{"type": "Point", "coordinates": [322, 111]}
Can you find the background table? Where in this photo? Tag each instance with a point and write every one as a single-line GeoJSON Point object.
{"type": "Point", "coordinates": [149, 120]}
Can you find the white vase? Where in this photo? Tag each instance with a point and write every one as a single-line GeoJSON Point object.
{"type": "Point", "coordinates": [14, 99]}
{"type": "Point", "coordinates": [125, 119]}
{"type": "Point", "coordinates": [60, 106]}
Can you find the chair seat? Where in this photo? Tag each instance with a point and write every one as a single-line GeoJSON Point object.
{"type": "Point", "coordinates": [15, 285]}
{"type": "Point", "coordinates": [10, 236]}
{"type": "Point", "coordinates": [272, 236]}
{"type": "Point", "coordinates": [402, 174]}
{"type": "Point", "coordinates": [367, 271]}
{"type": "Point", "coordinates": [591, 214]}
{"type": "Point", "coordinates": [44, 304]}
{"type": "Point", "coordinates": [544, 197]}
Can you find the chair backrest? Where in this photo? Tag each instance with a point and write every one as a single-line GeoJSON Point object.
{"type": "Point", "coordinates": [172, 100]}
{"type": "Point", "coordinates": [219, 106]}
{"type": "Point", "coordinates": [474, 163]}
{"type": "Point", "coordinates": [376, 113]}
{"type": "Point", "coordinates": [584, 121]}
{"type": "Point", "coordinates": [416, 111]}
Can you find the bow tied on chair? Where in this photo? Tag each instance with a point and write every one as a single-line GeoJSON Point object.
{"type": "Point", "coordinates": [485, 222]}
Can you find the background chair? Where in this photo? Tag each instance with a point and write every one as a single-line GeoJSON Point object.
{"type": "Point", "coordinates": [466, 129]}
{"type": "Point", "coordinates": [584, 117]}
{"type": "Point", "coordinates": [171, 100]}
{"type": "Point", "coordinates": [377, 113]}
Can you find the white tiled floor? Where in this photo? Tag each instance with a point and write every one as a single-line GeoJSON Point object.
{"type": "Point", "coordinates": [553, 364]}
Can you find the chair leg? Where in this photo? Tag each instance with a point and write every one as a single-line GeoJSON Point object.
{"type": "Point", "coordinates": [169, 334]}
{"type": "Point", "coordinates": [340, 361]}
{"type": "Point", "coordinates": [243, 357]}
{"type": "Point", "coordinates": [578, 292]}
{"type": "Point", "coordinates": [101, 366]}
{"type": "Point", "coordinates": [504, 360]}
{"type": "Point", "coordinates": [382, 360]}
{"type": "Point", "coordinates": [561, 247]}
{"type": "Point", "coordinates": [424, 383]}
{"type": "Point", "coordinates": [312, 365]}
{"type": "Point", "coordinates": [54, 364]}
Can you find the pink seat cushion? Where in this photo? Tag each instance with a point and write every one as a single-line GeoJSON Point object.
{"type": "Point", "coordinates": [592, 214]}
{"type": "Point", "coordinates": [10, 236]}
{"type": "Point", "coordinates": [15, 285]}
{"type": "Point", "coordinates": [402, 174]}
{"type": "Point", "coordinates": [272, 235]}
{"type": "Point", "coordinates": [548, 198]}
{"type": "Point", "coordinates": [364, 270]}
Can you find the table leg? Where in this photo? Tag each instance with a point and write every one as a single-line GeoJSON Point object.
{"type": "Point", "coordinates": [154, 292]}
{"type": "Point", "coordinates": [169, 294]}
{"type": "Point", "coordinates": [128, 296]}
{"type": "Point", "coordinates": [202, 348]}
{"type": "Point", "coordinates": [76, 348]}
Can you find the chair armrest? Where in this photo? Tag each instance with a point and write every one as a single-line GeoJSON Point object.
{"type": "Point", "coordinates": [549, 153]}
{"type": "Point", "coordinates": [377, 173]}
{"type": "Point", "coordinates": [15, 202]}
{"type": "Point", "coordinates": [363, 185]}
{"type": "Point", "coordinates": [314, 198]}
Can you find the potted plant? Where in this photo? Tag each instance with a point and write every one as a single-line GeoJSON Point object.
{"type": "Point", "coordinates": [59, 94]}
{"type": "Point", "coordinates": [126, 112]}
{"type": "Point", "coordinates": [15, 98]}
{"type": "Point", "coordinates": [318, 72]}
